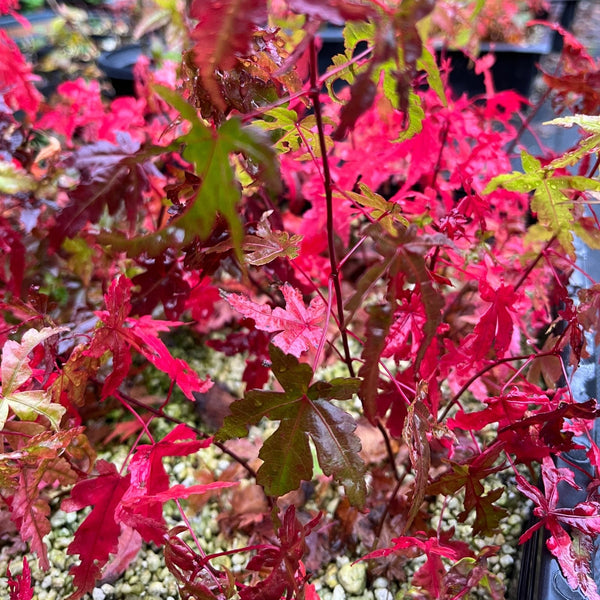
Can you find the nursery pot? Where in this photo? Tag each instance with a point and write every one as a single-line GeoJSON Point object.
{"type": "Point", "coordinates": [514, 68]}
{"type": "Point", "coordinates": [118, 68]}
{"type": "Point", "coordinates": [40, 21]}
{"type": "Point", "coordinates": [566, 10]}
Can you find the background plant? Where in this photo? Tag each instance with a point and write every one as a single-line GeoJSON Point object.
{"type": "Point", "coordinates": [370, 252]}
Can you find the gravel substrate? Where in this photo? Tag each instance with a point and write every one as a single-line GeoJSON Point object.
{"type": "Point", "coordinates": [149, 578]}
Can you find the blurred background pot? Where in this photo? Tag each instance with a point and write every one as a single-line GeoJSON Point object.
{"type": "Point", "coordinates": [118, 68]}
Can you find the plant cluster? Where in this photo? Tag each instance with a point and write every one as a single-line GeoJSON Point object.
{"type": "Point", "coordinates": [374, 230]}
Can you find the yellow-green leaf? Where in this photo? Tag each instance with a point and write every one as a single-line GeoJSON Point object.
{"type": "Point", "coordinates": [415, 118]}
{"type": "Point", "coordinates": [383, 211]}
{"type": "Point", "coordinates": [28, 405]}
{"type": "Point", "coordinates": [588, 145]}
{"type": "Point", "coordinates": [13, 180]}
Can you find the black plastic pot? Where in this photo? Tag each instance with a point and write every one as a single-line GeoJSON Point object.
{"type": "Point", "coordinates": [566, 11]}
{"type": "Point", "coordinates": [513, 69]}
{"type": "Point", "coordinates": [118, 68]}
{"type": "Point", "coordinates": [39, 20]}
{"type": "Point", "coordinates": [515, 66]}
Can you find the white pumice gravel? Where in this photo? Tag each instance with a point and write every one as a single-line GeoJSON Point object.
{"type": "Point", "coordinates": [148, 577]}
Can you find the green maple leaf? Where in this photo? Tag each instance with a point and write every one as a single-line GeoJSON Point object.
{"type": "Point", "coordinates": [383, 211]}
{"type": "Point", "coordinates": [554, 209]}
{"type": "Point", "coordinates": [209, 150]}
{"type": "Point", "coordinates": [305, 414]}
{"type": "Point", "coordinates": [588, 145]}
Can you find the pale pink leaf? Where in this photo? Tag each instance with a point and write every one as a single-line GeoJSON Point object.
{"type": "Point", "coordinates": [299, 327]}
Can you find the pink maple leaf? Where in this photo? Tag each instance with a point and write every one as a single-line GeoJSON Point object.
{"type": "Point", "coordinates": [16, 78]}
{"type": "Point", "coordinates": [7, 7]}
{"type": "Point", "coordinates": [299, 328]}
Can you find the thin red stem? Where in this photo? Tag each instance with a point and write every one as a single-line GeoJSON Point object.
{"type": "Point", "coordinates": [482, 372]}
{"type": "Point", "coordinates": [335, 276]}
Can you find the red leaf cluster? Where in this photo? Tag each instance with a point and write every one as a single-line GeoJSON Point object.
{"type": "Point", "coordinates": [19, 587]}
{"type": "Point", "coordinates": [583, 518]}
{"type": "Point", "coordinates": [120, 333]}
{"type": "Point", "coordinates": [133, 501]}
{"type": "Point", "coordinates": [282, 561]}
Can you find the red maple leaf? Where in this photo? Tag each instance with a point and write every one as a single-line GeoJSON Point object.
{"type": "Point", "coordinates": [583, 518]}
{"type": "Point", "coordinates": [300, 328]}
{"type": "Point", "coordinates": [283, 560]}
{"type": "Point", "coordinates": [471, 475]}
{"type": "Point", "coordinates": [546, 429]}
{"type": "Point", "coordinates": [141, 505]}
{"type": "Point", "coordinates": [505, 409]}
{"type": "Point", "coordinates": [98, 536]}
{"type": "Point", "coordinates": [408, 328]}
{"type": "Point", "coordinates": [431, 575]}
{"type": "Point", "coordinates": [16, 78]}
{"type": "Point", "coordinates": [162, 281]}
{"type": "Point", "coordinates": [119, 333]}
{"type": "Point", "coordinates": [20, 587]}
{"type": "Point", "coordinates": [133, 501]}
{"type": "Point", "coordinates": [495, 327]}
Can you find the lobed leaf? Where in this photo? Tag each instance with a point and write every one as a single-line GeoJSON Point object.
{"type": "Point", "coordinates": [298, 328]}
{"type": "Point", "coordinates": [588, 145]}
{"type": "Point", "coordinates": [267, 245]}
{"type": "Point", "coordinates": [209, 149]}
{"type": "Point", "coordinates": [305, 413]}
{"type": "Point", "coordinates": [551, 205]}
{"type": "Point", "coordinates": [15, 372]}
{"type": "Point", "coordinates": [383, 211]}
{"type": "Point", "coordinates": [113, 176]}
{"type": "Point", "coordinates": [98, 536]}
{"type": "Point", "coordinates": [287, 460]}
